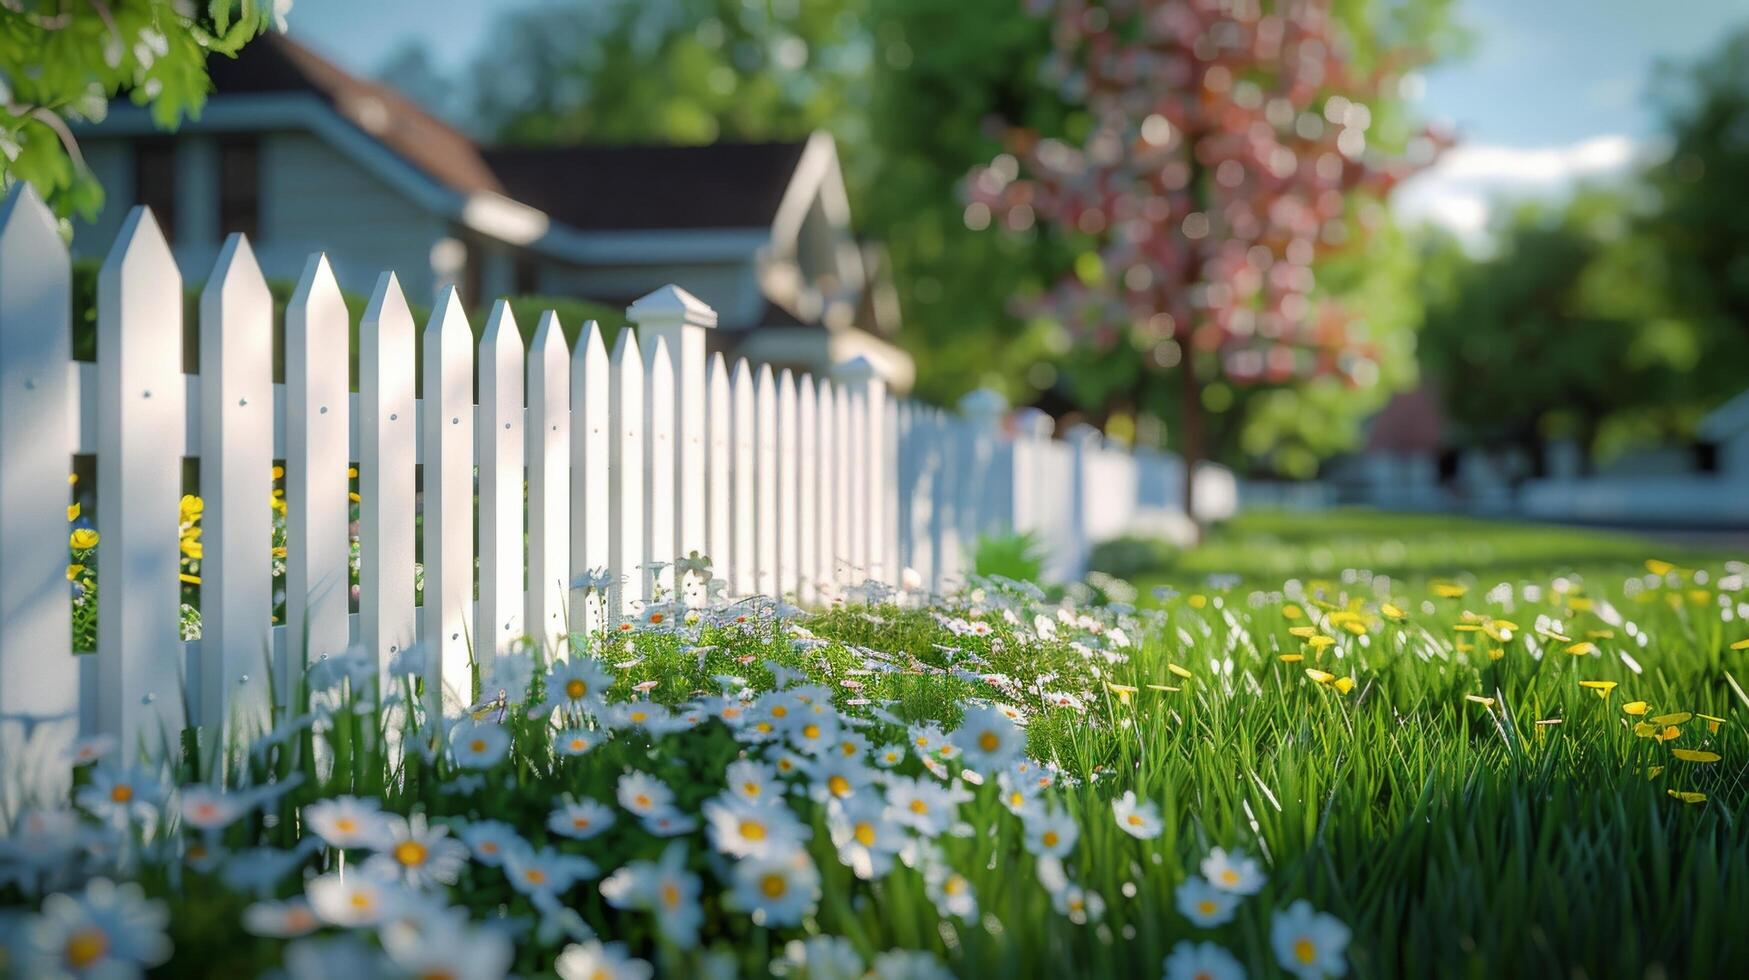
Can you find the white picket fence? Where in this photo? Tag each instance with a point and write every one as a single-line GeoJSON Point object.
{"type": "Point", "coordinates": [579, 459]}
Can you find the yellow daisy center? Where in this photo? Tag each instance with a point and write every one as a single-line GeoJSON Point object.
{"type": "Point", "coordinates": [86, 947]}
{"type": "Point", "coordinates": [752, 830]}
{"type": "Point", "coordinates": [989, 741]}
{"type": "Point", "coordinates": [773, 885]}
{"type": "Point", "coordinates": [411, 852]}
{"type": "Point", "coordinates": [838, 785]}
{"type": "Point", "coordinates": [1305, 951]}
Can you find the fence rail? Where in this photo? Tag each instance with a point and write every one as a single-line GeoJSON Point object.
{"type": "Point", "coordinates": [569, 460]}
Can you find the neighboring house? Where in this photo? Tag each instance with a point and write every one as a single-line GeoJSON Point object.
{"type": "Point", "coordinates": [302, 157]}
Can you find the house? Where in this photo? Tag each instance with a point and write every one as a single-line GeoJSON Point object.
{"type": "Point", "coordinates": [302, 156]}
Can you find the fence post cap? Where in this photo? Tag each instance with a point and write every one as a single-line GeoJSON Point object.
{"type": "Point", "coordinates": [1034, 422]}
{"type": "Point", "coordinates": [983, 403]}
{"type": "Point", "coordinates": [671, 306]}
{"type": "Point", "coordinates": [856, 370]}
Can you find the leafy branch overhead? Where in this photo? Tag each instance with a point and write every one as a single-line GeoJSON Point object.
{"type": "Point", "coordinates": [61, 62]}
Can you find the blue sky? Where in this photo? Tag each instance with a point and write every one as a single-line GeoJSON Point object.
{"type": "Point", "coordinates": [1554, 90]}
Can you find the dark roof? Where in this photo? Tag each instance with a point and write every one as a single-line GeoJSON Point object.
{"type": "Point", "coordinates": [604, 188]}
{"type": "Point", "coordinates": [275, 63]}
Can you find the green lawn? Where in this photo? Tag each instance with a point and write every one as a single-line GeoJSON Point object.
{"type": "Point", "coordinates": [1520, 754]}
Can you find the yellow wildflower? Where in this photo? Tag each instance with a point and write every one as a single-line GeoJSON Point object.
{"type": "Point", "coordinates": [1392, 612]}
{"type": "Point", "coordinates": [1687, 797]}
{"type": "Point", "coordinates": [1582, 649]}
{"type": "Point", "coordinates": [1344, 684]}
{"type": "Point", "coordinates": [1674, 718]}
{"type": "Point", "coordinates": [1180, 671]}
{"type": "Point", "coordinates": [1321, 676]}
{"type": "Point", "coordinates": [1601, 687]}
{"type": "Point", "coordinates": [1657, 567]}
{"type": "Point", "coordinates": [1695, 755]}
{"type": "Point", "coordinates": [83, 538]}
{"type": "Point", "coordinates": [1712, 724]}
{"type": "Point", "coordinates": [1635, 708]}
{"type": "Point", "coordinates": [1291, 611]}
{"type": "Point", "coordinates": [72, 512]}
{"type": "Point", "coordinates": [1291, 658]}
{"type": "Point", "coordinates": [1450, 590]}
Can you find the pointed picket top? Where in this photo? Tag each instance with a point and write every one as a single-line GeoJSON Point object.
{"type": "Point", "coordinates": [719, 455]}
{"type": "Point", "coordinates": [387, 308]}
{"type": "Point", "coordinates": [140, 246]}
{"type": "Point", "coordinates": [671, 305]}
{"type": "Point", "coordinates": [856, 370]}
{"type": "Point", "coordinates": [590, 346]}
{"type": "Point", "coordinates": [39, 677]}
{"type": "Point", "coordinates": [625, 350]}
{"type": "Point", "coordinates": [317, 289]}
{"type": "Point", "coordinates": [448, 317]}
{"type": "Point", "coordinates": [549, 338]}
{"type": "Point", "coordinates": [501, 333]}
{"type": "Point", "coordinates": [28, 227]}
{"type": "Point", "coordinates": [743, 373]}
{"type": "Point", "coordinates": [236, 276]}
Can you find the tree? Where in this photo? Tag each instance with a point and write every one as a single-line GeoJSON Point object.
{"type": "Point", "coordinates": [680, 71]}
{"type": "Point", "coordinates": [62, 62]}
{"type": "Point", "coordinates": [1226, 148]}
{"type": "Point", "coordinates": [1562, 333]}
{"type": "Point", "coordinates": [1702, 227]}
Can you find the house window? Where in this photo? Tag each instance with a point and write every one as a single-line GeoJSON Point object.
{"type": "Point", "coordinates": [155, 181]}
{"type": "Point", "coordinates": [240, 187]}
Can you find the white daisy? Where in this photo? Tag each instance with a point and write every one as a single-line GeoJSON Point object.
{"type": "Point", "coordinates": [361, 898]}
{"type": "Point", "coordinates": [594, 961]}
{"type": "Point", "coordinates": [664, 888]}
{"type": "Point", "coordinates": [574, 685]}
{"type": "Point", "coordinates": [776, 891]}
{"type": "Point", "coordinates": [581, 820]}
{"type": "Point", "coordinates": [416, 852]}
{"type": "Point", "coordinates": [347, 821]}
{"type": "Point", "coordinates": [742, 829]}
{"type": "Point", "coordinates": [668, 822]}
{"type": "Point", "coordinates": [1138, 818]}
{"type": "Point", "coordinates": [643, 794]}
{"type": "Point", "coordinates": [574, 741]}
{"type": "Point", "coordinates": [280, 920]}
{"type": "Point", "coordinates": [478, 744]}
{"type": "Point", "coordinates": [121, 796]}
{"type": "Point", "coordinates": [1308, 943]}
{"type": "Point", "coordinates": [490, 841]}
{"type": "Point", "coordinates": [988, 739]}
{"type": "Point", "coordinates": [923, 805]}
{"type": "Point", "coordinates": [832, 776]}
{"type": "Point", "coordinates": [1232, 872]}
{"type": "Point", "coordinates": [1201, 961]}
{"type": "Point", "coordinates": [752, 780]}
{"type": "Point", "coordinates": [108, 930]}
{"type": "Point", "coordinates": [1204, 904]}
{"type": "Point", "coordinates": [1080, 905]}
{"type": "Point", "coordinates": [545, 871]}
{"type": "Point", "coordinates": [1051, 831]}
{"type": "Point", "coordinates": [950, 891]}
{"type": "Point", "coordinates": [452, 950]}
{"type": "Point", "coordinates": [827, 958]}
{"type": "Point", "coordinates": [866, 837]}
{"type": "Point", "coordinates": [206, 808]}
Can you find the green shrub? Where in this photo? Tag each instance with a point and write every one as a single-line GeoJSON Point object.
{"type": "Point", "coordinates": [1020, 557]}
{"type": "Point", "coordinates": [1132, 555]}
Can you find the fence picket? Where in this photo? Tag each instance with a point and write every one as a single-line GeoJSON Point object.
{"type": "Point", "coordinates": [39, 679]}
{"type": "Point", "coordinates": [140, 693]}
{"type": "Point", "coordinates": [661, 494]}
{"type": "Point", "coordinates": [388, 440]}
{"type": "Point", "coordinates": [719, 513]}
{"type": "Point", "coordinates": [236, 484]}
{"type": "Point", "coordinates": [826, 541]}
{"type": "Point", "coordinates": [318, 574]}
{"type": "Point", "coordinates": [787, 485]}
{"type": "Point", "coordinates": [591, 441]}
{"type": "Point", "coordinates": [743, 563]}
{"type": "Point", "coordinates": [502, 447]}
{"type": "Point", "coordinates": [549, 470]}
{"type": "Point", "coordinates": [448, 434]}
{"type": "Point", "coordinates": [765, 482]}
{"type": "Point", "coordinates": [807, 490]}
{"type": "Point", "coordinates": [625, 523]}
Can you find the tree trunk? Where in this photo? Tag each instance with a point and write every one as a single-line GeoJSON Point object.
{"type": "Point", "coordinates": [1190, 448]}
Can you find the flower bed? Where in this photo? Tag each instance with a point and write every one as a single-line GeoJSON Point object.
{"type": "Point", "coordinates": [982, 785]}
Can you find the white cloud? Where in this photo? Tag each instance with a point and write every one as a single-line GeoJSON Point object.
{"type": "Point", "coordinates": [1461, 189]}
